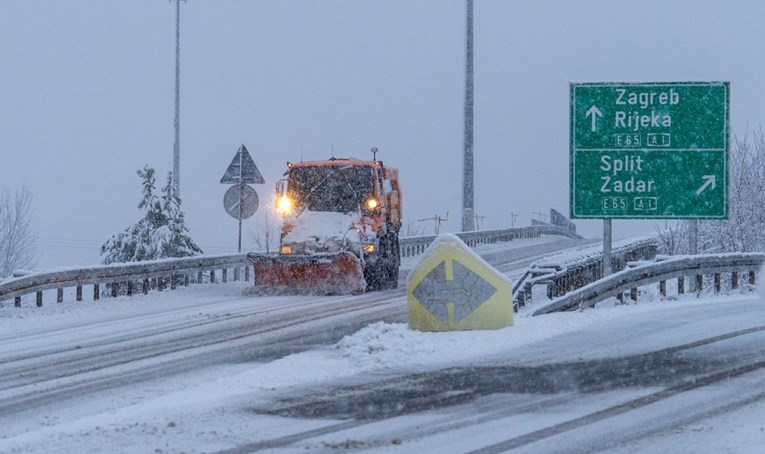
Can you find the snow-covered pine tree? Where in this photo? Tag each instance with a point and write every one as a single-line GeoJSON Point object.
{"type": "Point", "coordinates": [172, 238]}
{"type": "Point", "coordinates": [161, 233]}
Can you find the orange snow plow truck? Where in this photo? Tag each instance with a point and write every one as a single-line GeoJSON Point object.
{"type": "Point", "coordinates": [341, 219]}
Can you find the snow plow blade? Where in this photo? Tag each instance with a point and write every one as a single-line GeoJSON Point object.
{"type": "Point", "coordinates": [319, 274]}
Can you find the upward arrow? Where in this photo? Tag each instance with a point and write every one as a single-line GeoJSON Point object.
{"type": "Point", "coordinates": [594, 112]}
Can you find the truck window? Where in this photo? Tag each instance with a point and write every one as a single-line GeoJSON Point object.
{"type": "Point", "coordinates": [331, 188]}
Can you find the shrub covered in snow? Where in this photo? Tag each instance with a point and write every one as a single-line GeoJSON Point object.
{"type": "Point", "coordinates": [161, 233]}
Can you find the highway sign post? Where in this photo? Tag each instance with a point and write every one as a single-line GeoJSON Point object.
{"type": "Point", "coordinates": [649, 150]}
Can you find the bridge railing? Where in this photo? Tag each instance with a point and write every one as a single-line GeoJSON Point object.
{"type": "Point", "coordinates": [127, 278]}
{"type": "Point", "coordinates": [570, 272]}
{"type": "Point", "coordinates": [411, 246]}
{"type": "Point", "coordinates": [713, 268]}
{"type": "Point", "coordinates": [140, 277]}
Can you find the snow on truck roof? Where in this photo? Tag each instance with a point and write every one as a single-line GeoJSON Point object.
{"type": "Point", "coordinates": [335, 162]}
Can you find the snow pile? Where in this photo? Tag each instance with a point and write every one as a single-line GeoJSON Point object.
{"type": "Point", "coordinates": [394, 346]}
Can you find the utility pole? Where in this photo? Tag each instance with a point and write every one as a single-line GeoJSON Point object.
{"type": "Point", "coordinates": [177, 144]}
{"type": "Point", "coordinates": [478, 220]}
{"type": "Point", "coordinates": [467, 168]}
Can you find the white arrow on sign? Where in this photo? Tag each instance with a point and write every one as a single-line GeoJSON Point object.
{"type": "Point", "coordinates": [711, 181]}
{"type": "Point", "coordinates": [594, 112]}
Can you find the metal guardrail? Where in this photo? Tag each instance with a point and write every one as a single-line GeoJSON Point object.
{"type": "Point", "coordinates": [129, 278]}
{"type": "Point", "coordinates": [563, 276]}
{"type": "Point", "coordinates": [411, 246]}
{"type": "Point", "coordinates": [697, 266]}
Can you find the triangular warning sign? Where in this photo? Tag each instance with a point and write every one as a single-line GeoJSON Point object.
{"type": "Point", "coordinates": [242, 170]}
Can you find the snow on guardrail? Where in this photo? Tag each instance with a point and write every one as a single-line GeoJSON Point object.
{"type": "Point", "coordinates": [697, 266]}
{"type": "Point", "coordinates": [568, 271]}
{"type": "Point", "coordinates": [411, 246]}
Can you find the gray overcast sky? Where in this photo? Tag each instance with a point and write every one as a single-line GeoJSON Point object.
{"type": "Point", "coordinates": [87, 90]}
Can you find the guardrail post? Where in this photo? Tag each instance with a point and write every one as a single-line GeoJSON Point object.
{"type": "Point", "coordinates": [145, 286]}
{"type": "Point", "coordinates": [79, 293]}
{"type": "Point", "coordinates": [751, 277]}
{"type": "Point", "coordinates": [663, 288]}
{"type": "Point", "coordinates": [680, 285]}
{"type": "Point", "coordinates": [212, 276]}
{"type": "Point", "coordinates": [186, 279]}
{"type": "Point", "coordinates": [59, 295]}
{"type": "Point", "coordinates": [39, 299]}
{"type": "Point", "coordinates": [224, 275]}
{"type": "Point", "coordinates": [718, 283]}
{"type": "Point", "coordinates": [173, 285]}
{"type": "Point", "coordinates": [17, 301]}
{"type": "Point", "coordinates": [96, 292]}
{"type": "Point", "coordinates": [236, 274]}
{"type": "Point", "coordinates": [130, 288]}
{"type": "Point", "coordinates": [734, 280]}
{"type": "Point", "coordinates": [699, 283]}
{"type": "Point", "coordinates": [633, 294]}
{"type": "Point", "coordinates": [246, 274]}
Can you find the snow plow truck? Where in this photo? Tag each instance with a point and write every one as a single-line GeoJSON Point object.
{"type": "Point", "coordinates": [340, 223]}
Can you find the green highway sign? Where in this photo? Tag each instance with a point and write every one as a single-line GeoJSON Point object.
{"type": "Point", "coordinates": [649, 150]}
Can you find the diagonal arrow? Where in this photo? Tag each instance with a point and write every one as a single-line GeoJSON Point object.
{"type": "Point", "coordinates": [710, 181]}
{"type": "Point", "coordinates": [593, 112]}
{"type": "Point", "coordinates": [466, 291]}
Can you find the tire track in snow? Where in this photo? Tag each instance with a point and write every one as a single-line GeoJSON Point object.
{"type": "Point", "coordinates": [440, 399]}
{"type": "Point", "coordinates": [123, 364]}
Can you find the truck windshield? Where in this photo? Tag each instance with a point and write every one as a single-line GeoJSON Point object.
{"type": "Point", "coordinates": [331, 188]}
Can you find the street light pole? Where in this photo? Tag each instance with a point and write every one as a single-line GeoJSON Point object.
{"type": "Point", "coordinates": [177, 144]}
{"type": "Point", "coordinates": [468, 205]}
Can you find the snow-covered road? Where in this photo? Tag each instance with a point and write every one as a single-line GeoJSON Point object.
{"type": "Point", "coordinates": [207, 370]}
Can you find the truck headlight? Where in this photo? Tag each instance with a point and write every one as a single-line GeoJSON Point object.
{"type": "Point", "coordinates": [284, 205]}
{"type": "Point", "coordinates": [369, 248]}
{"type": "Point", "coordinates": [372, 203]}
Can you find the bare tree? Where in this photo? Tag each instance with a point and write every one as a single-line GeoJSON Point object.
{"type": "Point", "coordinates": [17, 241]}
{"type": "Point", "coordinates": [266, 233]}
{"type": "Point", "coordinates": [742, 232]}
{"type": "Point", "coordinates": [673, 240]}
{"type": "Point", "coordinates": [414, 230]}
